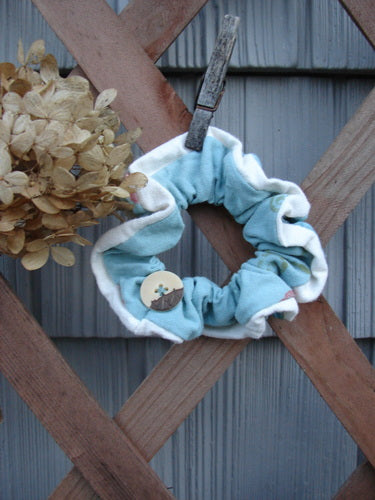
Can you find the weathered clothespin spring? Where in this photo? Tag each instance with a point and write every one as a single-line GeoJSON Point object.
{"type": "Point", "coordinates": [213, 84]}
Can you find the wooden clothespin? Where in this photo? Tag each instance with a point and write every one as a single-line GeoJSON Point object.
{"type": "Point", "coordinates": [213, 84]}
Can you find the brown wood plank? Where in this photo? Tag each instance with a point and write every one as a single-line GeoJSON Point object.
{"type": "Point", "coordinates": [164, 400]}
{"type": "Point", "coordinates": [139, 18]}
{"type": "Point", "coordinates": [157, 23]}
{"type": "Point", "coordinates": [360, 485]}
{"type": "Point", "coordinates": [363, 14]}
{"type": "Point", "coordinates": [344, 173]}
{"type": "Point", "coordinates": [95, 36]}
{"type": "Point", "coordinates": [94, 443]}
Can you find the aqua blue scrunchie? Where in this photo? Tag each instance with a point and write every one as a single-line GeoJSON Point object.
{"type": "Point", "coordinates": [289, 265]}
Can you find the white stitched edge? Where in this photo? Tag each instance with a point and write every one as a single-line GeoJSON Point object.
{"type": "Point", "coordinates": [256, 325]}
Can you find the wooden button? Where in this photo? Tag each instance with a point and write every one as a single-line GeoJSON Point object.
{"type": "Point", "coordinates": [162, 291]}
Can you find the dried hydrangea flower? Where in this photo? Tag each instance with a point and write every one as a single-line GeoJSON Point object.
{"type": "Point", "coordinates": [61, 165]}
{"type": "Point", "coordinates": [11, 181]}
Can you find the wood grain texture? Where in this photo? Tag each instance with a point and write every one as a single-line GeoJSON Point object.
{"type": "Point", "coordinates": [344, 173]}
{"type": "Point", "coordinates": [162, 22]}
{"type": "Point", "coordinates": [360, 485]}
{"type": "Point", "coordinates": [88, 436]}
{"type": "Point", "coordinates": [94, 34]}
{"type": "Point", "coordinates": [163, 401]}
{"type": "Point", "coordinates": [363, 14]}
{"type": "Point", "coordinates": [155, 37]}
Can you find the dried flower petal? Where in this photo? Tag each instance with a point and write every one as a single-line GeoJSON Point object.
{"type": "Point", "coordinates": [20, 124]}
{"type": "Point", "coordinates": [118, 171]}
{"type": "Point", "coordinates": [90, 180]}
{"type": "Point", "coordinates": [63, 179]}
{"type": "Point", "coordinates": [48, 68]}
{"type": "Point", "coordinates": [4, 132]}
{"type": "Point", "coordinates": [108, 136]}
{"type": "Point", "coordinates": [93, 159]}
{"type": "Point", "coordinates": [105, 98]}
{"type": "Point", "coordinates": [56, 221]}
{"type": "Point", "coordinates": [16, 241]}
{"type": "Point", "coordinates": [34, 104]}
{"type": "Point", "coordinates": [75, 83]}
{"type": "Point", "coordinates": [36, 245]}
{"type": "Point", "coordinates": [7, 71]}
{"type": "Point", "coordinates": [102, 209]}
{"type": "Point", "coordinates": [136, 180]}
{"type": "Point", "coordinates": [20, 86]}
{"type": "Point", "coordinates": [119, 154]}
{"type": "Point", "coordinates": [17, 178]}
{"type": "Point", "coordinates": [6, 195]}
{"type": "Point", "coordinates": [35, 187]}
{"type": "Point", "coordinates": [62, 203]}
{"type": "Point", "coordinates": [63, 256]}
{"type": "Point", "coordinates": [62, 152]}
{"type": "Point", "coordinates": [35, 260]}
{"type": "Point", "coordinates": [80, 240]}
{"type": "Point", "coordinates": [5, 162]}
{"type": "Point", "coordinates": [6, 225]}
{"type": "Point", "coordinates": [66, 163]}
{"type": "Point", "coordinates": [35, 52]}
{"type": "Point", "coordinates": [88, 123]}
{"type": "Point", "coordinates": [129, 137]}
{"type": "Point", "coordinates": [117, 191]}
{"type": "Point", "coordinates": [12, 102]}
{"type": "Point", "coordinates": [44, 204]}
{"type": "Point", "coordinates": [21, 143]}
{"type": "Point", "coordinates": [20, 53]}
{"type": "Point", "coordinates": [75, 135]}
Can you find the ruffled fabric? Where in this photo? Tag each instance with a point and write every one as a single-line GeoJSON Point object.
{"type": "Point", "coordinates": [289, 266]}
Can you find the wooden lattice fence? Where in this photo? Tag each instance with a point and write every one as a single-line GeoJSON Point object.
{"type": "Point", "coordinates": [110, 456]}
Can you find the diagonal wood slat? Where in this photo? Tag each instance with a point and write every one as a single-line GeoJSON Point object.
{"type": "Point", "coordinates": [207, 347]}
{"type": "Point", "coordinates": [362, 13]}
{"type": "Point", "coordinates": [62, 403]}
{"type": "Point", "coordinates": [165, 398]}
{"type": "Point", "coordinates": [94, 34]}
{"type": "Point", "coordinates": [344, 173]}
{"type": "Point", "coordinates": [172, 17]}
{"type": "Point", "coordinates": [360, 484]}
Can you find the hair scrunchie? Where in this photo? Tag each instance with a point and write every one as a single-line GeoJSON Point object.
{"type": "Point", "coordinates": [289, 266]}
